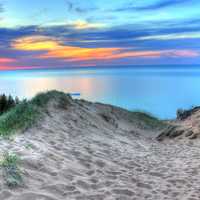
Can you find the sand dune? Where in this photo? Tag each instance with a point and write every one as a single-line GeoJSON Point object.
{"type": "Point", "coordinates": [96, 152]}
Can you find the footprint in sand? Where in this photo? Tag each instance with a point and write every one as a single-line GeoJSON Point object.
{"type": "Point", "coordinates": [125, 192]}
{"type": "Point", "coordinates": [59, 189]}
{"type": "Point", "coordinates": [83, 185]}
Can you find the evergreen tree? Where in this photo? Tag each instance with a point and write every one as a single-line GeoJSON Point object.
{"type": "Point", "coordinates": [10, 102]}
{"type": "Point", "coordinates": [7, 103]}
{"type": "Point", "coordinates": [3, 103]}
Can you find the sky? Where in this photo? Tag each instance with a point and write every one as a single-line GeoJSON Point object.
{"type": "Point", "coordinates": [47, 34]}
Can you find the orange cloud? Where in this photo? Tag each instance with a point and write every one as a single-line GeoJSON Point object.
{"type": "Point", "coordinates": [35, 43]}
{"type": "Point", "coordinates": [55, 48]}
{"type": "Point", "coordinates": [85, 54]}
{"type": "Point", "coordinates": [81, 54]}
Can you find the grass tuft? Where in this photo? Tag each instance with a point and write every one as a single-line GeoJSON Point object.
{"type": "Point", "coordinates": [11, 172]}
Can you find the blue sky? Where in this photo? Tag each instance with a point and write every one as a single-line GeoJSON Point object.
{"type": "Point", "coordinates": [81, 33]}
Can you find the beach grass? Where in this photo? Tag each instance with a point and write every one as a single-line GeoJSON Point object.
{"type": "Point", "coordinates": [147, 120]}
{"type": "Point", "coordinates": [21, 117]}
{"type": "Point", "coordinates": [42, 99]}
{"type": "Point", "coordinates": [11, 172]}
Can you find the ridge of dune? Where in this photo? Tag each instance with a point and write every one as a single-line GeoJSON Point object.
{"type": "Point", "coordinates": [93, 151]}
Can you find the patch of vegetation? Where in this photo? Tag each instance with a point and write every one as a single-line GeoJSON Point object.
{"type": "Point", "coordinates": [11, 172]}
{"type": "Point", "coordinates": [146, 120]}
{"type": "Point", "coordinates": [29, 146]}
{"type": "Point", "coordinates": [26, 113]}
{"type": "Point", "coordinates": [20, 117]}
{"type": "Point", "coordinates": [42, 99]}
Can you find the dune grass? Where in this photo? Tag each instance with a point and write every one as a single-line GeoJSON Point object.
{"type": "Point", "coordinates": [11, 172]}
{"type": "Point", "coordinates": [18, 118]}
{"type": "Point", "coordinates": [25, 114]}
{"type": "Point", "coordinates": [42, 99]}
{"type": "Point", "coordinates": [146, 120]}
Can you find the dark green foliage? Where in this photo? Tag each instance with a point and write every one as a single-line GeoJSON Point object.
{"type": "Point", "coordinates": [3, 103]}
{"type": "Point", "coordinates": [10, 102]}
{"type": "Point", "coordinates": [12, 174]}
{"type": "Point", "coordinates": [19, 118]}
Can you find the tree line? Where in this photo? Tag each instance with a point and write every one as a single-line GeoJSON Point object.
{"type": "Point", "coordinates": [7, 102]}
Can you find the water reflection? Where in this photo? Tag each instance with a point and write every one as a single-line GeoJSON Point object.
{"type": "Point", "coordinates": [160, 92]}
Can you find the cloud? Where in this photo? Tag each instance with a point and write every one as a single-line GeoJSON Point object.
{"type": "Point", "coordinates": [67, 46]}
{"type": "Point", "coordinates": [79, 8]}
{"type": "Point", "coordinates": [162, 4]}
{"type": "Point", "coordinates": [6, 60]}
{"type": "Point", "coordinates": [86, 34]}
{"type": "Point", "coordinates": [155, 6]}
{"type": "Point", "coordinates": [35, 43]}
{"type": "Point", "coordinates": [52, 48]}
{"type": "Point", "coordinates": [142, 38]}
{"type": "Point", "coordinates": [78, 25]}
{"type": "Point", "coordinates": [81, 24]}
{"type": "Point", "coordinates": [5, 67]}
{"type": "Point", "coordinates": [56, 49]}
{"type": "Point", "coordinates": [181, 53]}
{"type": "Point", "coordinates": [174, 36]}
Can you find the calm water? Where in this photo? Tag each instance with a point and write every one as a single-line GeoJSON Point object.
{"type": "Point", "coordinates": [155, 90]}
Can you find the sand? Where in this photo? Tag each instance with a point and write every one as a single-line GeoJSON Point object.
{"type": "Point", "coordinates": [93, 152]}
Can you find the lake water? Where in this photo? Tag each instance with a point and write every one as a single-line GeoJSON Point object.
{"type": "Point", "coordinates": [155, 90]}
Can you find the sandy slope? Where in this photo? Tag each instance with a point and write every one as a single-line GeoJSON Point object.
{"type": "Point", "coordinates": [187, 127]}
{"type": "Point", "coordinates": [93, 152]}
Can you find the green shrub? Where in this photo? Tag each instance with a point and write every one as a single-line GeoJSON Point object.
{"type": "Point", "coordinates": [11, 172]}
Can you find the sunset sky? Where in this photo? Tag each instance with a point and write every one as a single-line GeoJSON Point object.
{"type": "Point", "coordinates": [83, 33]}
